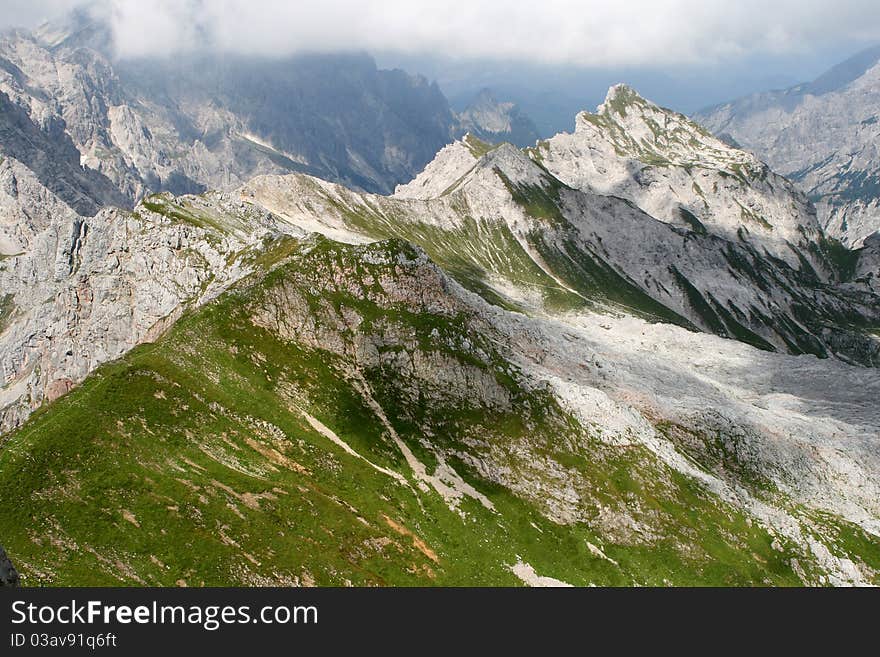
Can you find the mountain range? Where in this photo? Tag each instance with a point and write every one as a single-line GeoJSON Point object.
{"type": "Point", "coordinates": [628, 355]}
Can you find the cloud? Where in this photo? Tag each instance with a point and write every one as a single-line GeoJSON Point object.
{"type": "Point", "coordinates": [592, 33]}
{"type": "Point", "coordinates": [30, 13]}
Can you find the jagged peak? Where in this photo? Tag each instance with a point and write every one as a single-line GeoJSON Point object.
{"type": "Point", "coordinates": [623, 101]}
{"type": "Point", "coordinates": [465, 159]}
{"type": "Point", "coordinates": [506, 155]}
{"type": "Point", "coordinates": [510, 166]}
{"type": "Point", "coordinates": [636, 127]}
{"type": "Point", "coordinates": [620, 96]}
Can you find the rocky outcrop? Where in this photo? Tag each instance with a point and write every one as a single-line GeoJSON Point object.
{"type": "Point", "coordinates": [80, 291]}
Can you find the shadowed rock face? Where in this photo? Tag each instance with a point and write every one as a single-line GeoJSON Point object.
{"type": "Point", "coordinates": [52, 156]}
{"type": "Point", "coordinates": [336, 117]}
{"type": "Point", "coordinates": [8, 574]}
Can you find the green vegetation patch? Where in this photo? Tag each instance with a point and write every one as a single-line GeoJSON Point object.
{"type": "Point", "coordinates": [691, 219]}
{"type": "Point", "coordinates": [478, 147]}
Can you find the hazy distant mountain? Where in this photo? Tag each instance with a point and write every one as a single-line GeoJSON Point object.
{"type": "Point", "coordinates": [199, 121]}
{"type": "Point", "coordinates": [543, 366]}
{"type": "Point", "coordinates": [495, 122]}
{"type": "Point", "coordinates": [189, 123]}
{"type": "Point", "coordinates": [825, 135]}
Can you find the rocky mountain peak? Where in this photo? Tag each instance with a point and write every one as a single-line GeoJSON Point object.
{"type": "Point", "coordinates": [473, 163]}
{"type": "Point", "coordinates": [637, 127]}
{"type": "Point", "coordinates": [678, 172]}
{"type": "Point", "coordinates": [514, 165]}
{"type": "Point", "coordinates": [619, 97]}
{"type": "Point", "coordinates": [448, 166]}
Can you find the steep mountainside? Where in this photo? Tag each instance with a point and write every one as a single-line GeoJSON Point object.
{"type": "Point", "coordinates": [494, 122]}
{"type": "Point", "coordinates": [494, 218]}
{"type": "Point", "coordinates": [824, 135]}
{"type": "Point", "coordinates": [503, 225]}
{"type": "Point", "coordinates": [350, 415]}
{"type": "Point", "coordinates": [500, 374]}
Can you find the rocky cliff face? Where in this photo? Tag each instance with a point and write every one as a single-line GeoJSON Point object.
{"type": "Point", "coordinates": [823, 135]}
{"type": "Point", "coordinates": [78, 291]}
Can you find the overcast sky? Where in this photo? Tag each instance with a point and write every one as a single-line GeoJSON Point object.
{"type": "Point", "coordinates": [589, 33]}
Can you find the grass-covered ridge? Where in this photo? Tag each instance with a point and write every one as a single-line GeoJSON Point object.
{"type": "Point", "coordinates": [477, 146]}
{"type": "Point", "coordinates": [477, 251]}
{"type": "Point", "coordinates": [209, 457]}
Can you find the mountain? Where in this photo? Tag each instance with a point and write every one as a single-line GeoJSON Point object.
{"type": "Point", "coordinates": [502, 373]}
{"type": "Point", "coordinates": [189, 123]}
{"type": "Point", "coordinates": [494, 122]}
{"type": "Point", "coordinates": [130, 127]}
{"type": "Point", "coordinates": [823, 135]}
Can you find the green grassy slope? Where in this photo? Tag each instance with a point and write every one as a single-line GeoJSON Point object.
{"type": "Point", "coordinates": [193, 460]}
